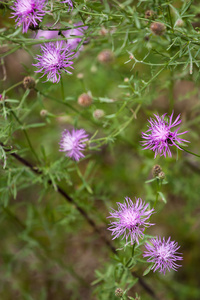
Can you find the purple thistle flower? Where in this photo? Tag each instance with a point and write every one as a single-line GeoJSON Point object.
{"type": "Point", "coordinates": [163, 254]}
{"type": "Point", "coordinates": [28, 12]}
{"type": "Point", "coordinates": [159, 135]}
{"type": "Point", "coordinates": [131, 220]}
{"type": "Point", "coordinates": [73, 143]}
{"type": "Point", "coordinates": [54, 59]}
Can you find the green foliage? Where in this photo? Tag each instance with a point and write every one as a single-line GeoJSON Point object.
{"type": "Point", "coordinates": [53, 210]}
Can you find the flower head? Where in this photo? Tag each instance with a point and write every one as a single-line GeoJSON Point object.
{"type": "Point", "coordinates": [54, 59]}
{"type": "Point", "coordinates": [163, 254]}
{"type": "Point", "coordinates": [159, 135]}
{"type": "Point", "coordinates": [28, 12]}
{"type": "Point", "coordinates": [131, 220]}
{"type": "Point", "coordinates": [73, 143]}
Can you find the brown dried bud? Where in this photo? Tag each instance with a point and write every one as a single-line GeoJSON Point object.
{"type": "Point", "coordinates": [161, 175]}
{"type": "Point", "coordinates": [156, 170]}
{"type": "Point", "coordinates": [43, 113]}
{"type": "Point", "coordinates": [80, 75]}
{"type": "Point", "coordinates": [85, 100]}
{"type": "Point", "coordinates": [150, 14]}
{"type": "Point", "coordinates": [119, 292]}
{"type": "Point", "coordinates": [106, 56]}
{"type": "Point", "coordinates": [158, 28]}
{"type": "Point", "coordinates": [98, 114]}
{"type": "Point", "coordinates": [29, 82]}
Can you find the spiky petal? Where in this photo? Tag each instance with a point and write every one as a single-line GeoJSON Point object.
{"type": "Point", "coordinates": [74, 143]}
{"type": "Point", "coordinates": [159, 137]}
{"type": "Point", "coordinates": [28, 12]}
{"type": "Point", "coordinates": [163, 254]}
{"type": "Point", "coordinates": [55, 58]}
{"type": "Point", "coordinates": [131, 220]}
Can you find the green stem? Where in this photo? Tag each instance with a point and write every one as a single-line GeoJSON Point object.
{"type": "Point", "coordinates": [171, 90]}
{"type": "Point", "coordinates": [170, 17]}
{"type": "Point", "coordinates": [158, 187]}
{"type": "Point", "coordinates": [133, 250]}
{"type": "Point", "coordinates": [188, 151]}
{"type": "Point", "coordinates": [157, 192]}
{"type": "Point", "coordinates": [26, 135]}
{"type": "Point", "coordinates": [13, 86]}
{"type": "Point", "coordinates": [62, 88]}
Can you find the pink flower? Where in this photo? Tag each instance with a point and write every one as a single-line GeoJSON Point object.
{"type": "Point", "coordinates": [28, 12]}
{"type": "Point", "coordinates": [163, 254]}
{"type": "Point", "coordinates": [131, 220]}
{"type": "Point", "coordinates": [159, 136]}
{"type": "Point", "coordinates": [74, 143]}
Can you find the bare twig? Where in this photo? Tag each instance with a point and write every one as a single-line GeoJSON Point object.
{"type": "Point", "coordinates": [69, 199]}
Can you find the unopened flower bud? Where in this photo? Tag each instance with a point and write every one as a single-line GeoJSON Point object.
{"type": "Point", "coordinates": [150, 14]}
{"type": "Point", "coordinates": [103, 31]}
{"type": "Point", "coordinates": [119, 292]}
{"type": "Point", "coordinates": [161, 175]}
{"type": "Point", "coordinates": [93, 69]}
{"type": "Point", "coordinates": [179, 23]}
{"type": "Point", "coordinates": [106, 56]}
{"type": "Point", "coordinates": [85, 100]}
{"type": "Point", "coordinates": [98, 114]}
{"type": "Point", "coordinates": [156, 170]}
{"type": "Point", "coordinates": [3, 98]}
{"type": "Point", "coordinates": [43, 113]}
{"type": "Point", "coordinates": [80, 75]}
{"type": "Point", "coordinates": [126, 79]}
{"type": "Point", "coordinates": [158, 28]}
{"type": "Point", "coordinates": [29, 82]}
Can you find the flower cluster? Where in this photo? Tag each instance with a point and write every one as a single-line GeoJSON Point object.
{"type": "Point", "coordinates": [159, 137]}
{"type": "Point", "coordinates": [131, 220]}
{"type": "Point", "coordinates": [74, 143]}
{"type": "Point", "coordinates": [54, 59]}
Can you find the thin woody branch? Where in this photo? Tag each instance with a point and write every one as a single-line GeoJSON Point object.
{"type": "Point", "coordinates": [69, 199]}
